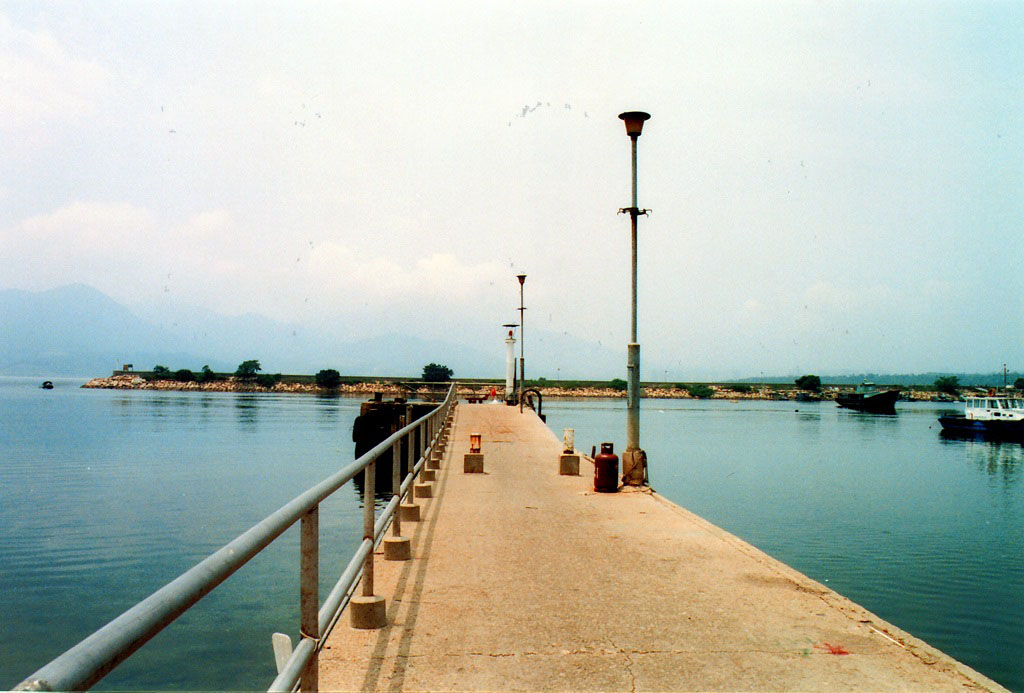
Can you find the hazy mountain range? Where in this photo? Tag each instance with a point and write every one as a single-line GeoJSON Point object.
{"type": "Point", "coordinates": [76, 330]}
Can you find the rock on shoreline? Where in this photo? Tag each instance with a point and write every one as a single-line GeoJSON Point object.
{"type": "Point", "coordinates": [391, 389]}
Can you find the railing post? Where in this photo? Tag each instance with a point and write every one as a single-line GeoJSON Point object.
{"type": "Point", "coordinates": [309, 595]}
{"type": "Point", "coordinates": [397, 547]}
{"type": "Point", "coordinates": [396, 486]}
{"type": "Point", "coordinates": [368, 610]}
{"type": "Point", "coordinates": [409, 510]}
{"type": "Point", "coordinates": [368, 516]}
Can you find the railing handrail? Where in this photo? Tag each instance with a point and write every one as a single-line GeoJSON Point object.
{"type": "Point", "coordinates": [94, 657]}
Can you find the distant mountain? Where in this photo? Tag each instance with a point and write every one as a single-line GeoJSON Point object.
{"type": "Point", "coordinates": [76, 330]}
{"type": "Point", "coordinates": [79, 331]}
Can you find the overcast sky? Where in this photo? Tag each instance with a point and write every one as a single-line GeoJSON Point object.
{"type": "Point", "coordinates": [835, 186]}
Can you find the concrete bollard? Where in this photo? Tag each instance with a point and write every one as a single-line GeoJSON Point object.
{"type": "Point", "coordinates": [569, 465]}
{"type": "Point", "coordinates": [424, 490]}
{"type": "Point", "coordinates": [429, 475]}
{"type": "Point", "coordinates": [397, 548]}
{"type": "Point", "coordinates": [367, 613]}
{"type": "Point", "coordinates": [473, 463]}
{"type": "Point", "coordinates": [410, 512]}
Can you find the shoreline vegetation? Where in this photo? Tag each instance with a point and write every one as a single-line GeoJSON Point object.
{"type": "Point", "coordinates": [397, 387]}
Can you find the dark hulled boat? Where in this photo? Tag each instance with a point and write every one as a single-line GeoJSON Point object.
{"type": "Point", "coordinates": [870, 399]}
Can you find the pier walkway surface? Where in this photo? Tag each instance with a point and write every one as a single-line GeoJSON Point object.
{"type": "Point", "coordinates": [525, 579]}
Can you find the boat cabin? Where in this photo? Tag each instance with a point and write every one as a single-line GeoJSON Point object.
{"type": "Point", "coordinates": [994, 407]}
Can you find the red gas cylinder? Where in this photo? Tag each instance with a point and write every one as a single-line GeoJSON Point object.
{"type": "Point", "coordinates": [606, 469]}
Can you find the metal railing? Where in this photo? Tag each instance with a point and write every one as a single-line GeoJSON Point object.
{"type": "Point", "coordinates": [97, 655]}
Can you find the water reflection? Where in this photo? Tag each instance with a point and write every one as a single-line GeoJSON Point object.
{"type": "Point", "coordinates": [1001, 460]}
{"type": "Point", "coordinates": [328, 406]}
{"type": "Point", "coordinates": [810, 415]}
{"type": "Point", "coordinates": [247, 411]}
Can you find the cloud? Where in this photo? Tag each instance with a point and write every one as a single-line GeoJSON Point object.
{"type": "Point", "coordinates": [338, 274]}
{"type": "Point", "coordinates": [122, 249]}
{"type": "Point", "coordinates": [87, 226]}
{"type": "Point", "coordinates": [42, 83]}
{"type": "Point", "coordinates": [212, 259]}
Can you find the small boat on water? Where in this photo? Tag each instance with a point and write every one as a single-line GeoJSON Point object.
{"type": "Point", "coordinates": [995, 415]}
{"type": "Point", "coordinates": [869, 398]}
{"type": "Point", "coordinates": [808, 397]}
{"type": "Point", "coordinates": [47, 385]}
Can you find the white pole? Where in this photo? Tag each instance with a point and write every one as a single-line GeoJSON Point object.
{"type": "Point", "coordinates": [510, 365]}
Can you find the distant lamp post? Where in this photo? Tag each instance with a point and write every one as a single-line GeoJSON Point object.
{"type": "Point", "coordinates": [634, 460]}
{"type": "Point", "coordinates": [522, 342]}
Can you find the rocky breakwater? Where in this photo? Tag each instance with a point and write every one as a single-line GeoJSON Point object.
{"type": "Point", "coordinates": [232, 384]}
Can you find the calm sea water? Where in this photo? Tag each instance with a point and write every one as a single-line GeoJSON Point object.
{"type": "Point", "coordinates": [107, 495]}
{"type": "Point", "coordinates": [926, 532]}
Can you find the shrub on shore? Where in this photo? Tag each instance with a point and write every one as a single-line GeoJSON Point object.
{"type": "Point", "coordinates": [617, 384]}
{"type": "Point", "coordinates": [328, 378]}
{"type": "Point", "coordinates": [267, 380]}
{"type": "Point", "coordinates": [700, 391]}
{"type": "Point", "coordinates": [184, 375]}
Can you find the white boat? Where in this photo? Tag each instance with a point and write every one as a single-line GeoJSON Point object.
{"type": "Point", "coordinates": [997, 415]}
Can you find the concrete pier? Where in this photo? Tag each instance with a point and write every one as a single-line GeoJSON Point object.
{"type": "Point", "coordinates": [524, 578]}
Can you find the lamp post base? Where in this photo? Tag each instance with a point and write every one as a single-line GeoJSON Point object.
{"type": "Point", "coordinates": [634, 467]}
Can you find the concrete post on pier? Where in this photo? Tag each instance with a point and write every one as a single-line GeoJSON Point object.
{"type": "Point", "coordinates": [569, 461]}
{"type": "Point", "coordinates": [397, 547]}
{"type": "Point", "coordinates": [409, 511]}
{"type": "Point", "coordinates": [368, 611]}
{"type": "Point", "coordinates": [473, 461]}
{"type": "Point", "coordinates": [424, 489]}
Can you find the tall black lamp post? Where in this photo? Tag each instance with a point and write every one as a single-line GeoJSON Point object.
{"type": "Point", "coordinates": [522, 342]}
{"type": "Point", "coordinates": [634, 460]}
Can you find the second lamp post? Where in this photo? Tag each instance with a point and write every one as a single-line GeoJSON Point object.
{"type": "Point", "coordinates": [522, 343]}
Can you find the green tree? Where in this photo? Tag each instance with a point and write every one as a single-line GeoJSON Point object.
{"type": "Point", "coordinates": [328, 378]}
{"type": "Point", "coordinates": [436, 373]}
{"type": "Point", "coordinates": [1018, 384]}
{"type": "Point", "coordinates": [700, 390]}
{"type": "Point", "coordinates": [950, 384]}
{"type": "Point", "coordinates": [247, 369]}
{"type": "Point", "coordinates": [162, 372]}
{"type": "Point", "coordinates": [184, 375]}
{"type": "Point", "coordinates": [618, 384]}
{"type": "Point", "coordinates": [741, 388]}
{"type": "Point", "coordinates": [809, 382]}
{"type": "Point", "coordinates": [267, 380]}
{"type": "Point", "coordinates": [206, 375]}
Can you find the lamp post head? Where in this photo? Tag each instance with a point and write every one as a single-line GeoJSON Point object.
{"type": "Point", "coordinates": [634, 122]}
{"type": "Point", "coordinates": [521, 278]}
